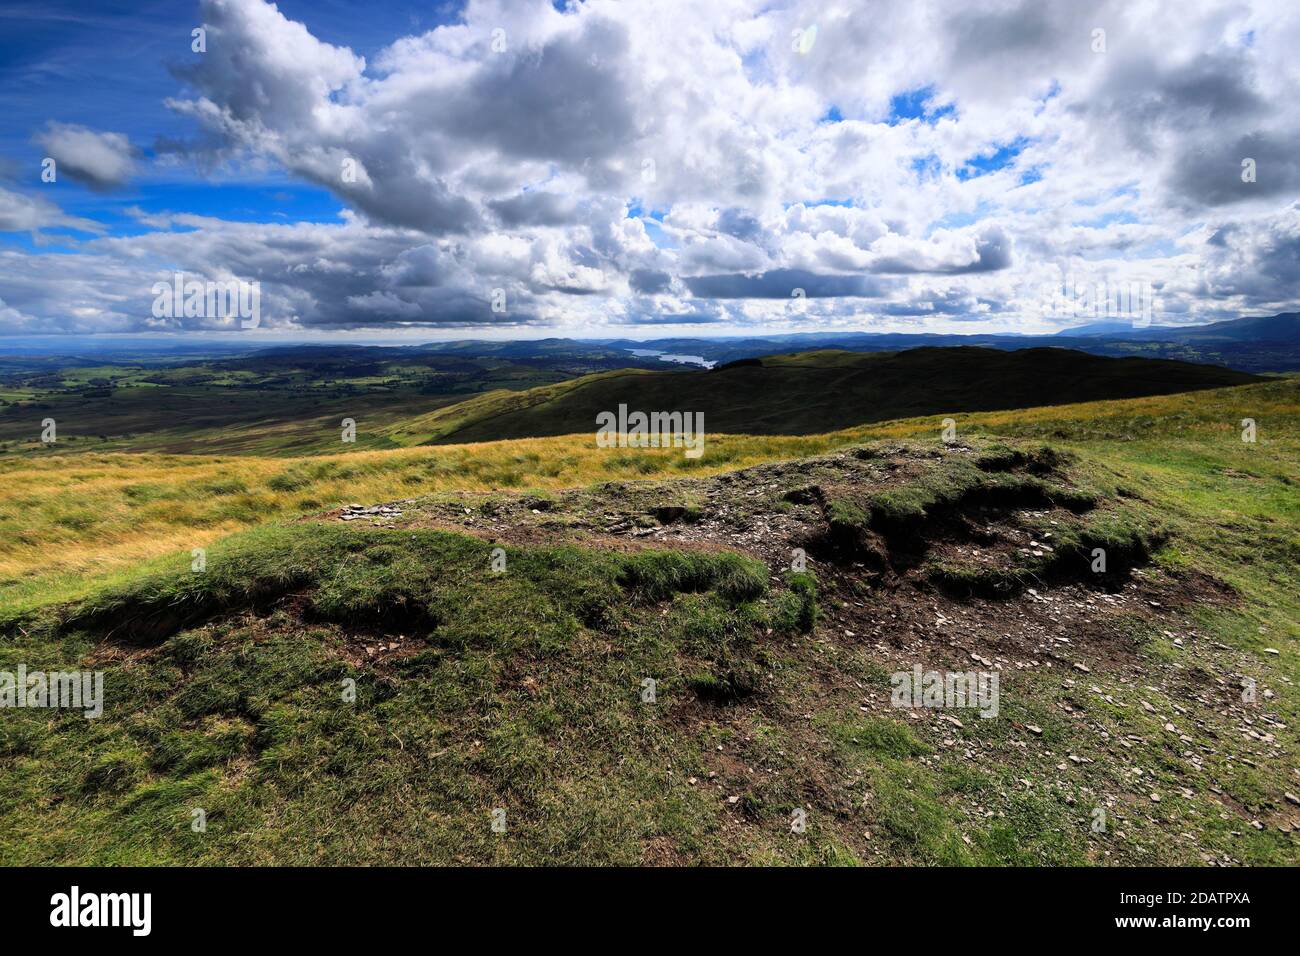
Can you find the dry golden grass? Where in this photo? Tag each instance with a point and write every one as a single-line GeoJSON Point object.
{"type": "Point", "coordinates": [68, 520]}
{"type": "Point", "coordinates": [88, 514]}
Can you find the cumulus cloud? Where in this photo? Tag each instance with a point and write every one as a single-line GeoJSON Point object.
{"type": "Point", "coordinates": [627, 162]}
{"type": "Point", "coordinates": [102, 161]}
{"type": "Point", "coordinates": [781, 284]}
{"type": "Point", "coordinates": [945, 253]}
{"type": "Point", "coordinates": [20, 212]}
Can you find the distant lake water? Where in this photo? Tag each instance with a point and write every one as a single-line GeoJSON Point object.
{"type": "Point", "coordinates": [678, 359]}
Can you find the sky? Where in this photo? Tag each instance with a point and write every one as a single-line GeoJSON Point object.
{"type": "Point", "coordinates": [646, 168]}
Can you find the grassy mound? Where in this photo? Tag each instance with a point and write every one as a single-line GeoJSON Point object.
{"type": "Point", "coordinates": [665, 689]}
{"type": "Point", "coordinates": [992, 520]}
{"type": "Point", "coordinates": [227, 691]}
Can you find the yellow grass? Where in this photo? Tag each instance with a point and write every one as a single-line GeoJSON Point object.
{"type": "Point", "coordinates": [78, 513]}
{"type": "Point", "coordinates": [76, 518]}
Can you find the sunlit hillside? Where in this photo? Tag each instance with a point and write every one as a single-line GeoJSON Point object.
{"type": "Point", "coordinates": [518, 693]}
{"type": "Point", "coordinates": [67, 521]}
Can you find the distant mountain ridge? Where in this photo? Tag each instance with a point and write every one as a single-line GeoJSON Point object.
{"type": "Point", "coordinates": [819, 391]}
{"type": "Point", "coordinates": [1283, 329]}
{"type": "Point", "coordinates": [1252, 344]}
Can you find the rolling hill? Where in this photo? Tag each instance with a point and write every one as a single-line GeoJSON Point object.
{"type": "Point", "coordinates": [1250, 344]}
{"type": "Point", "coordinates": [283, 400]}
{"type": "Point", "coordinates": [1279, 329]}
{"type": "Point", "coordinates": [816, 391]}
{"type": "Point", "coordinates": [357, 684]}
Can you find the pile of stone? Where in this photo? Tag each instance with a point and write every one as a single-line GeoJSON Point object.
{"type": "Point", "coordinates": [375, 512]}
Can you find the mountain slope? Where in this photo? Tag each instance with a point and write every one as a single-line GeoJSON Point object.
{"type": "Point", "coordinates": [1284, 328]}
{"type": "Point", "coordinates": [816, 391]}
{"type": "Point", "coordinates": [1252, 344]}
{"type": "Point", "coordinates": [365, 687]}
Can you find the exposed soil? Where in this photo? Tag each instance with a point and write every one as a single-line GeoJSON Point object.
{"type": "Point", "coordinates": [878, 598]}
{"type": "Point", "coordinates": [878, 592]}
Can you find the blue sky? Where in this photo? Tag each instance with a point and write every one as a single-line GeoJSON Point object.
{"type": "Point", "coordinates": [61, 61]}
{"type": "Point", "coordinates": [396, 168]}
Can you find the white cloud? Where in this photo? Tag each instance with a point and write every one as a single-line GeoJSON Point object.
{"type": "Point", "coordinates": [100, 160]}
{"type": "Point", "coordinates": [506, 150]}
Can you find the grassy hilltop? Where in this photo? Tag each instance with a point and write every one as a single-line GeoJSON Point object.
{"type": "Point", "coordinates": [815, 392]}
{"type": "Point", "coordinates": [522, 690]}
{"type": "Point", "coordinates": [289, 402]}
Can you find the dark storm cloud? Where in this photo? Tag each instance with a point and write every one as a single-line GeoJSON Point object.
{"type": "Point", "coordinates": [566, 101]}
{"type": "Point", "coordinates": [1202, 117]}
{"type": "Point", "coordinates": [1258, 260]}
{"type": "Point", "coordinates": [401, 195]}
{"type": "Point", "coordinates": [649, 281]}
{"type": "Point", "coordinates": [537, 208]}
{"type": "Point", "coordinates": [1213, 176]}
{"type": "Point", "coordinates": [1198, 99]}
{"type": "Point", "coordinates": [981, 35]}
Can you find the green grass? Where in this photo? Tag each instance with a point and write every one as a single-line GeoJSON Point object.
{"type": "Point", "coordinates": [523, 690]}
{"type": "Point", "coordinates": [246, 718]}
{"type": "Point", "coordinates": [815, 392]}
{"type": "Point", "coordinates": [290, 402]}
